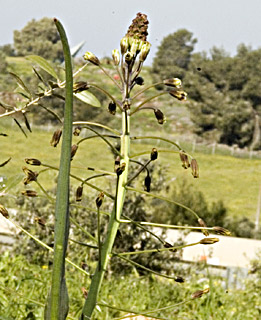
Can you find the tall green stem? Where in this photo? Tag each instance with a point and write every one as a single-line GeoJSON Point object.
{"type": "Point", "coordinates": [58, 302]}
{"type": "Point", "coordinates": [106, 249]}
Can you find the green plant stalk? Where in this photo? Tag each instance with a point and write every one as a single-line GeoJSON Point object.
{"type": "Point", "coordinates": [106, 249]}
{"type": "Point", "coordinates": [58, 299]}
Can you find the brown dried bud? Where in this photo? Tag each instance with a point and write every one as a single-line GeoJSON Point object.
{"type": "Point", "coordinates": [79, 191]}
{"type": "Point", "coordinates": [56, 137]}
{"type": "Point", "coordinates": [139, 81]}
{"type": "Point", "coordinates": [121, 168]}
{"type": "Point", "coordinates": [80, 86]}
{"type": "Point", "coordinates": [32, 161]}
{"type": "Point", "coordinates": [40, 221]}
{"type": "Point", "coordinates": [154, 154]}
{"type": "Point", "coordinates": [147, 183]}
{"type": "Point", "coordinates": [179, 279]}
{"type": "Point", "coordinates": [89, 56]}
{"type": "Point", "coordinates": [178, 94]}
{"type": "Point", "coordinates": [73, 150]}
{"type": "Point", "coordinates": [199, 293]}
{"type": "Point", "coordinates": [159, 116]}
{"type": "Point", "coordinates": [4, 212]}
{"type": "Point", "coordinates": [222, 231]}
{"type": "Point", "coordinates": [184, 159]}
{"type": "Point", "coordinates": [84, 292]}
{"type": "Point", "coordinates": [77, 131]}
{"type": "Point", "coordinates": [29, 193]}
{"type": "Point", "coordinates": [99, 200]}
{"type": "Point", "coordinates": [117, 163]}
{"type": "Point", "coordinates": [174, 82]}
{"type": "Point", "coordinates": [208, 240]}
{"type": "Point", "coordinates": [194, 168]}
{"type": "Point", "coordinates": [30, 175]}
{"type": "Point", "coordinates": [202, 224]}
{"type": "Point", "coordinates": [112, 107]}
{"type": "Point", "coordinates": [139, 27]}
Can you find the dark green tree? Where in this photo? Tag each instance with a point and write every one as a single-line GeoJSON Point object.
{"type": "Point", "coordinates": [40, 38]}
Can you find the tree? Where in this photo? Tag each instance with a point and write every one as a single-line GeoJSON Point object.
{"type": "Point", "coordinates": [40, 38]}
{"type": "Point", "coordinates": [173, 56]}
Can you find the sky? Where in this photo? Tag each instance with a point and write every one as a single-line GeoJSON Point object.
{"type": "Point", "coordinates": [102, 23]}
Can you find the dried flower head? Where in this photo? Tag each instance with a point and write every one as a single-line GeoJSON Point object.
{"type": "Point", "coordinates": [154, 154]}
{"type": "Point", "coordinates": [29, 175]}
{"type": "Point", "coordinates": [4, 211]}
{"type": "Point", "coordinates": [208, 240]}
{"type": "Point", "coordinates": [80, 86]}
{"type": "Point", "coordinates": [178, 94]}
{"type": "Point", "coordinates": [29, 193]}
{"type": "Point", "coordinates": [159, 116]}
{"type": "Point", "coordinates": [139, 27]}
{"type": "Point", "coordinates": [99, 199]}
{"type": "Point", "coordinates": [79, 191]}
{"type": "Point", "coordinates": [173, 82]}
{"type": "Point", "coordinates": [222, 231]}
{"type": "Point", "coordinates": [199, 293]}
{"type": "Point", "coordinates": [194, 168]}
{"type": "Point", "coordinates": [203, 224]}
{"type": "Point", "coordinates": [184, 159]}
{"type": "Point", "coordinates": [56, 138]}
{"type": "Point", "coordinates": [89, 56]}
{"type": "Point", "coordinates": [73, 150]}
{"type": "Point", "coordinates": [32, 161]}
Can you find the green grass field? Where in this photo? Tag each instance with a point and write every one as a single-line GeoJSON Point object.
{"type": "Point", "coordinates": [233, 180]}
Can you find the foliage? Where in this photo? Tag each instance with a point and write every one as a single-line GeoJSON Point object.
{"type": "Point", "coordinates": [40, 38]}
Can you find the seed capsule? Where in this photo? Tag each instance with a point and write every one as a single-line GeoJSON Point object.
{"type": "Point", "coordinates": [208, 240]}
{"type": "Point", "coordinates": [194, 168]}
{"type": "Point", "coordinates": [202, 224]}
{"type": "Point", "coordinates": [222, 231]}
{"type": "Point", "coordinates": [178, 94]}
{"type": "Point", "coordinates": [112, 107]}
{"type": "Point", "coordinates": [29, 193]}
{"type": "Point", "coordinates": [154, 154]}
{"type": "Point", "coordinates": [4, 212]}
{"type": "Point", "coordinates": [79, 191]}
{"type": "Point", "coordinates": [99, 200]}
{"type": "Point", "coordinates": [73, 150]}
{"type": "Point", "coordinates": [174, 82]}
{"type": "Point", "coordinates": [139, 81]}
{"type": "Point", "coordinates": [184, 159]}
{"type": "Point", "coordinates": [159, 116]}
{"type": "Point", "coordinates": [179, 279]}
{"type": "Point", "coordinates": [30, 175]}
{"type": "Point", "coordinates": [32, 161]}
{"type": "Point", "coordinates": [56, 138]}
{"type": "Point", "coordinates": [89, 56]}
{"type": "Point", "coordinates": [147, 183]}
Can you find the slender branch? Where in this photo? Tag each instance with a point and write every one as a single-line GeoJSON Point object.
{"type": "Point", "coordinates": [97, 125]}
{"type": "Point", "coordinates": [106, 93]}
{"type": "Point", "coordinates": [144, 89]}
{"type": "Point", "coordinates": [157, 138]}
{"type": "Point", "coordinates": [82, 229]}
{"type": "Point", "coordinates": [108, 75]}
{"type": "Point", "coordinates": [147, 100]}
{"type": "Point", "coordinates": [84, 244]}
{"type": "Point", "coordinates": [138, 172]}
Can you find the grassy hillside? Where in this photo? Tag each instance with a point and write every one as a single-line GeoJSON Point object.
{"type": "Point", "coordinates": [235, 181]}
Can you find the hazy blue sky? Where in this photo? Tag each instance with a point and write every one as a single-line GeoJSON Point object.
{"type": "Point", "coordinates": [102, 23]}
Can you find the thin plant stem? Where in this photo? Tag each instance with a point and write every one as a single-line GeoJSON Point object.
{"type": "Point", "coordinates": [147, 100]}
{"type": "Point", "coordinates": [157, 138]}
{"type": "Point", "coordinates": [109, 76]}
{"type": "Point", "coordinates": [45, 192]}
{"type": "Point", "coordinates": [97, 125]}
{"type": "Point", "coordinates": [144, 89]}
{"type": "Point", "coordinates": [82, 229]}
{"type": "Point", "coordinates": [99, 236]}
{"type": "Point", "coordinates": [106, 93]}
{"type": "Point", "coordinates": [138, 172]}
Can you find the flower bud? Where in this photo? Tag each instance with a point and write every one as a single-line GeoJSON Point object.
{"type": "Point", "coordinates": [121, 168]}
{"type": "Point", "coordinates": [4, 212]}
{"type": "Point", "coordinates": [128, 57]}
{"type": "Point", "coordinates": [139, 81]}
{"type": "Point", "coordinates": [194, 168]}
{"type": "Point", "coordinates": [32, 161]}
{"type": "Point", "coordinates": [89, 56]}
{"type": "Point", "coordinates": [77, 131]}
{"type": "Point", "coordinates": [79, 191]}
{"type": "Point", "coordinates": [80, 86]}
{"type": "Point", "coordinates": [124, 45]}
{"type": "Point", "coordinates": [222, 231]}
{"type": "Point", "coordinates": [73, 150]}
{"type": "Point", "coordinates": [112, 107]}
{"type": "Point", "coordinates": [159, 116]}
{"type": "Point", "coordinates": [202, 224]}
{"type": "Point", "coordinates": [135, 47]}
{"type": "Point", "coordinates": [153, 154]}
{"type": "Point", "coordinates": [174, 82]}
{"type": "Point", "coordinates": [116, 56]}
{"type": "Point", "coordinates": [199, 293]}
{"type": "Point", "coordinates": [178, 94]}
{"type": "Point", "coordinates": [147, 183]}
{"type": "Point", "coordinates": [56, 137]}
{"type": "Point", "coordinates": [184, 159]}
{"type": "Point", "coordinates": [29, 193]}
{"type": "Point", "coordinates": [30, 175]}
{"type": "Point", "coordinates": [99, 200]}
{"type": "Point", "coordinates": [145, 49]}
{"type": "Point", "coordinates": [208, 240]}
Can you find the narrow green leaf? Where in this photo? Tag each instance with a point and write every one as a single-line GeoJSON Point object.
{"type": "Point", "coordinates": [42, 63]}
{"type": "Point", "coordinates": [20, 83]}
{"type": "Point", "coordinates": [89, 98]}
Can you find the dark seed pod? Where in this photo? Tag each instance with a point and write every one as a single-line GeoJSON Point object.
{"type": "Point", "coordinates": [139, 81]}
{"type": "Point", "coordinates": [147, 183]}
{"type": "Point", "coordinates": [80, 86]}
{"type": "Point", "coordinates": [79, 191]}
{"type": "Point", "coordinates": [194, 168]}
{"type": "Point", "coordinates": [154, 154]}
{"type": "Point", "coordinates": [203, 224]}
{"type": "Point", "coordinates": [112, 107]}
{"type": "Point", "coordinates": [29, 175]}
{"type": "Point", "coordinates": [184, 159]}
{"type": "Point", "coordinates": [179, 279]}
{"type": "Point", "coordinates": [29, 193]}
{"type": "Point", "coordinates": [222, 231]}
{"type": "Point", "coordinates": [4, 212]}
{"type": "Point", "coordinates": [77, 131]}
{"type": "Point", "coordinates": [208, 240]}
{"type": "Point", "coordinates": [32, 161]}
{"type": "Point", "coordinates": [178, 94]}
{"type": "Point", "coordinates": [73, 150]}
{"type": "Point", "coordinates": [56, 137]}
{"type": "Point", "coordinates": [159, 116]}
{"type": "Point", "coordinates": [99, 200]}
